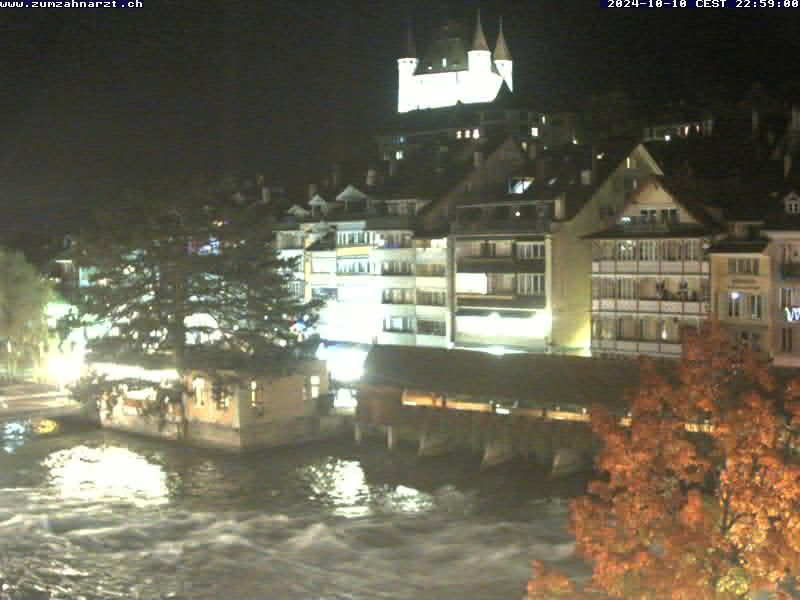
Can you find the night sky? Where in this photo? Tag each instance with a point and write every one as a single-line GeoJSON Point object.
{"type": "Point", "coordinates": [95, 101]}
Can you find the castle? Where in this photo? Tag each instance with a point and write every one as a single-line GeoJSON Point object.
{"type": "Point", "coordinates": [448, 73]}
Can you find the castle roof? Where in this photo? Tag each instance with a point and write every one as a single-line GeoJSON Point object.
{"type": "Point", "coordinates": [479, 39]}
{"type": "Point", "coordinates": [501, 51]}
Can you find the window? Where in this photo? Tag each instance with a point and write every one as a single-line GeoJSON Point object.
{"type": "Point", "coordinates": [431, 297]}
{"type": "Point", "coordinates": [398, 296]}
{"type": "Point", "coordinates": [671, 250]}
{"type": "Point", "coordinates": [353, 238]}
{"type": "Point", "coordinates": [534, 132]}
{"type": "Point", "coordinates": [647, 250]}
{"type": "Point", "coordinates": [324, 293]}
{"type": "Point", "coordinates": [743, 266]}
{"type": "Point", "coordinates": [397, 239]}
{"type": "Point", "coordinates": [793, 206]}
{"type": "Point", "coordinates": [691, 250]}
{"type": "Point", "coordinates": [396, 267]}
{"type": "Point", "coordinates": [500, 283]}
{"type": "Point", "coordinates": [459, 134]}
{"type": "Point", "coordinates": [626, 288]}
{"type": "Point", "coordinates": [399, 155]}
{"type": "Point", "coordinates": [352, 266]}
{"type": "Point", "coordinates": [787, 341]}
{"type": "Point", "coordinates": [735, 305]}
{"type": "Point", "coordinates": [430, 270]}
{"type": "Point", "coordinates": [530, 250]}
{"type": "Point", "coordinates": [755, 307]}
{"type": "Point", "coordinates": [297, 288]}
{"type": "Point", "coordinates": [648, 215]}
{"type": "Point", "coordinates": [398, 324]}
{"type": "Point", "coordinates": [669, 215]}
{"type": "Point", "coordinates": [476, 133]}
{"type": "Point", "coordinates": [426, 327]}
{"type": "Point", "coordinates": [786, 297]}
{"type": "Point", "coordinates": [530, 284]}
{"type": "Point", "coordinates": [444, 62]}
{"type": "Point", "coordinates": [626, 250]}
{"type": "Point", "coordinates": [630, 163]}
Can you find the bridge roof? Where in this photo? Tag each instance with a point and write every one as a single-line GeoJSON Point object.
{"type": "Point", "coordinates": [530, 380]}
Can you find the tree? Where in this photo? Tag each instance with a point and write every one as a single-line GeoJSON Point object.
{"type": "Point", "coordinates": [695, 513]}
{"type": "Point", "coordinates": [186, 268]}
{"type": "Point", "coordinates": [24, 295]}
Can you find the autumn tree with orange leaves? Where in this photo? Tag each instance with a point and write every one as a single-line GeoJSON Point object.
{"type": "Point", "coordinates": [693, 513]}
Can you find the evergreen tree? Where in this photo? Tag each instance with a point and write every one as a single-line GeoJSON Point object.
{"type": "Point", "coordinates": [24, 295]}
{"type": "Point", "coordinates": [184, 270]}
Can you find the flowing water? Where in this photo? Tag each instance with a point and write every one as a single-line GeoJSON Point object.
{"type": "Point", "coordinates": [95, 515]}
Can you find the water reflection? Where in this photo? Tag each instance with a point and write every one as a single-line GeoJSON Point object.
{"type": "Point", "coordinates": [15, 434]}
{"type": "Point", "coordinates": [106, 473]}
{"type": "Point", "coordinates": [342, 483]}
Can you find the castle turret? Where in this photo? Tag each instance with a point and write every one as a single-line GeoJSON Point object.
{"type": "Point", "coordinates": [479, 57]}
{"type": "Point", "coordinates": [406, 67]}
{"type": "Point", "coordinates": [502, 59]}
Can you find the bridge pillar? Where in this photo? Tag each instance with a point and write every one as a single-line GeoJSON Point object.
{"type": "Point", "coordinates": [499, 449]}
{"type": "Point", "coordinates": [391, 438]}
{"type": "Point", "coordinates": [358, 433]}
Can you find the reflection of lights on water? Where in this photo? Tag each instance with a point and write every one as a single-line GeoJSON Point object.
{"type": "Point", "coordinates": [15, 434]}
{"type": "Point", "coordinates": [406, 499]}
{"type": "Point", "coordinates": [45, 426]}
{"type": "Point", "coordinates": [106, 473]}
{"type": "Point", "coordinates": [343, 483]}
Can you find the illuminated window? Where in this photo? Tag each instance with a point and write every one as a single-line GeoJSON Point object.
{"type": "Point", "coordinates": [398, 324]}
{"type": "Point", "coordinates": [534, 131]}
{"type": "Point", "coordinates": [544, 120]}
{"type": "Point", "coordinates": [786, 297]}
{"type": "Point", "coordinates": [734, 305]}
{"type": "Point", "coordinates": [444, 62]}
{"type": "Point", "coordinates": [530, 250]}
{"type": "Point", "coordinates": [399, 155]}
{"type": "Point", "coordinates": [426, 327]}
{"type": "Point", "coordinates": [755, 306]}
{"type": "Point", "coordinates": [530, 284]}
{"type": "Point", "coordinates": [630, 163]}
{"type": "Point", "coordinates": [793, 206]}
{"type": "Point", "coordinates": [468, 133]}
{"type": "Point", "coordinates": [743, 266]}
{"type": "Point", "coordinates": [459, 134]}
{"type": "Point", "coordinates": [476, 133]}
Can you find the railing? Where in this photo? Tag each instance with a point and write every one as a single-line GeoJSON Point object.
{"type": "Point", "coordinates": [430, 270]}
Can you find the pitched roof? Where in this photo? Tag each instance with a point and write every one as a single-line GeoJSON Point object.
{"type": "Point", "coordinates": [532, 380]}
{"type": "Point", "coordinates": [501, 51]}
{"type": "Point", "coordinates": [479, 39]}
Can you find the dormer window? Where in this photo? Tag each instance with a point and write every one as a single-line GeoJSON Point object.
{"type": "Point", "coordinates": [793, 205]}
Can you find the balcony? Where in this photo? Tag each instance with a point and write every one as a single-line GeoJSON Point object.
{"type": "Point", "coordinates": [500, 264]}
{"type": "Point", "coordinates": [498, 299]}
{"type": "Point", "coordinates": [790, 270]}
{"type": "Point", "coordinates": [514, 224]}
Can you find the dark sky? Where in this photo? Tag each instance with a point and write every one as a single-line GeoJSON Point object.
{"type": "Point", "coordinates": [95, 101]}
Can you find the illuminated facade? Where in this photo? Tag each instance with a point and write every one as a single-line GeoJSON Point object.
{"type": "Point", "coordinates": [448, 73]}
{"type": "Point", "coordinates": [651, 272]}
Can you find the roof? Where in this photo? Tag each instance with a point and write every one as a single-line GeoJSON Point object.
{"type": "Point", "coordinates": [447, 52]}
{"type": "Point", "coordinates": [532, 380]}
{"type": "Point", "coordinates": [734, 246]}
{"type": "Point", "coordinates": [479, 39]}
{"type": "Point", "coordinates": [501, 51]}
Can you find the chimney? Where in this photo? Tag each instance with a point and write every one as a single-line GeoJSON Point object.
{"type": "Point", "coordinates": [787, 165]}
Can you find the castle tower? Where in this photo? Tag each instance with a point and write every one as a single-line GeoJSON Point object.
{"type": "Point", "coordinates": [479, 57]}
{"type": "Point", "coordinates": [502, 59]}
{"type": "Point", "coordinates": [406, 67]}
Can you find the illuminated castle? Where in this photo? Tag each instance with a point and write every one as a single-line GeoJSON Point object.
{"type": "Point", "coordinates": [448, 73]}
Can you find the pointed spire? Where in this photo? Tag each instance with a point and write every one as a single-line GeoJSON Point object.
{"type": "Point", "coordinates": [501, 51]}
{"type": "Point", "coordinates": [411, 47]}
{"type": "Point", "coordinates": [479, 40]}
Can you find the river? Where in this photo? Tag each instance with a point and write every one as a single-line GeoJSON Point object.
{"type": "Point", "coordinates": [96, 515]}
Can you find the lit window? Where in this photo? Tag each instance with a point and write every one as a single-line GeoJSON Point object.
{"type": "Point", "coordinates": [667, 138]}
{"type": "Point", "coordinates": [468, 133]}
{"type": "Point", "coordinates": [459, 134]}
{"type": "Point", "coordinates": [544, 120]}
{"type": "Point", "coordinates": [444, 62]}
{"type": "Point", "coordinates": [399, 155]}
{"type": "Point", "coordinates": [476, 133]}
{"type": "Point", "coordinates": [534, 131]}
{"type": "Point", "coordinates": [793, 206]}
{"type": "Point", "coordinates": [256, 399]}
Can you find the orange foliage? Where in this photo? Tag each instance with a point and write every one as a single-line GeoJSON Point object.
{"type": "Point", "coordinates": [696, 516]}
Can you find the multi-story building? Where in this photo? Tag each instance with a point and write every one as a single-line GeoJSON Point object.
{"type": "Point", "coordinates": [522, 271]}
{"type": "Point", "coordinates": [650, 270]}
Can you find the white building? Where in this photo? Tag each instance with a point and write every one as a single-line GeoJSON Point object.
{"type": "Point", "coordinates": [448, 73]}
